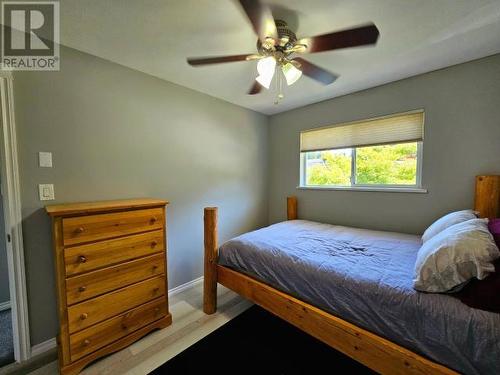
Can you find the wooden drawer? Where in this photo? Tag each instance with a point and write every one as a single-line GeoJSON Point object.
{"type": "Point", "coordinates": [85, 314]}
{"type": "Point", "coordinates": [91, 284]}
{"type": "Point", "coordinates": [89, 257]}
{"type": "Point", "coordinates": [95, 337]}
{"type": "Point", "coordinates": [98, 227]}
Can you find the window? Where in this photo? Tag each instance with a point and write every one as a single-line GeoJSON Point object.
{"type": "Point", "coordinates": [381, 153]}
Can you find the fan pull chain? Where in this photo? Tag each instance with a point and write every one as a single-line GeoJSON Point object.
{"type": "Point", "coordinates": [279, 85]}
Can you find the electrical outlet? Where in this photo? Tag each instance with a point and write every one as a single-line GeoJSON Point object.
{"type": "Point", "coordinates": [46, 192]}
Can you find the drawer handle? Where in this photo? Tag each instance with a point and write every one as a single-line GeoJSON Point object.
{"type": "Point", "coordinates": [79, 230]}
{"type": "Point", "coordinates": [86, 342]}
{"type": "Point", "coordinates": [124, 326]}
{"type": "Point", "coordinates": [84, 316]}
{"type": "Point", "coordinates": [157, 310]}
{"type": "Point", "coordinates": [153, 220]}
{"type": "Point", "coordinates": [155, 267]}
{"type": "Point", "coordinates": [156, 290]}
{"type": "Point", "coordinates": [82, 258]}
{"type": "Point", "coordinates": [154, 243]}
{"type": "Point", "coordinates": [83, 288]}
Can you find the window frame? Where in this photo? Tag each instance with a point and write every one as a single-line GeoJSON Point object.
{"type": "Point", "coordinates": [416, 188]}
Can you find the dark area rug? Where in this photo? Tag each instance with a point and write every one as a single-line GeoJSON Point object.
{"type": "Point", "coordinates": [257, 342]}
{"type": "Point", "coordinates": [6, 344]}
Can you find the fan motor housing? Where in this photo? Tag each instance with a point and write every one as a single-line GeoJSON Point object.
{"type": "Point", "coordinates": [286, 38]}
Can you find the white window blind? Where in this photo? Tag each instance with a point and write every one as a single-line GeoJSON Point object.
{"type": "Point", "coordinates": [405, 127]}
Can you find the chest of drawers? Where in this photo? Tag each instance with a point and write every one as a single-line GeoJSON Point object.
{"type": "Point", "coordinates": [111, 276]}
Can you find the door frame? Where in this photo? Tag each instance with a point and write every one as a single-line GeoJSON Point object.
{"type": "Point", "coordinates": [11, 191]}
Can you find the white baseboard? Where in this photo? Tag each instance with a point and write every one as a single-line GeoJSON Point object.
{"type": "Point", "coordinates": [51, 343]}
{"type": "Point", "coordinates": [190, 284]}
{"type": "Point", "coordinates": [4, 305]}
{"type": "Point", "coordinates": [43, 347]}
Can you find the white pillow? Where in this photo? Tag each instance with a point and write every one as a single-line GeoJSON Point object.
{"type": "Point", "coordinates": [447, 221]}
{"type": "Point", "coordinates": [454, 256]}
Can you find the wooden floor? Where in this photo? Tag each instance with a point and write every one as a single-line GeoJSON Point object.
{"type": "Point", "coordinates": [189, 325]}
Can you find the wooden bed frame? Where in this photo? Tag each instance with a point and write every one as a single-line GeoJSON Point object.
{"type": "Point", "coordinates": [373, 351]}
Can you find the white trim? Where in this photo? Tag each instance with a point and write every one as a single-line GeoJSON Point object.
{"type": "Point", "coordinates": [367, 188]}
{"type": "Point", "coordinates": [13, 220]}
{"type": "Point", "coordinates": [51, 343]}
{"type": "Point", "coordinates": [417, 188]}
{"type": "Point", "coordinates": [43, 347]}
{"type": "Point", "coordinates": [302, 169]}
{"type": "Point", "coordinates": [5, 306]}
{"type": "Point", "coordinates": [5, 73]}
{"type": "Point", "coordinates": [180, 288]}
{"type": "Point", "coordinates": [420, 159]}
{"type": "Point", "coordinates": [353, 166]}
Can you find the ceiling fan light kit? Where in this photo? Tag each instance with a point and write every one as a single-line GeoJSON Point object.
{"type": "Point", "coordinates": [292, 74]}
{"type": "Point", "coordinates": [266, 68]}
{"type": "Point", "coordinates": [277, 47]}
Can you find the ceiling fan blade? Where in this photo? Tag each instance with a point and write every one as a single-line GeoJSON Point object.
{"type": "Point", "coordinates": [255, 89]}
{"type": "Point", "coordinates": [261, 18]}
{"type": "Point", "coordinates": [358, 36]}
{"type": "Point", "coordinates": [315, 72]}
{"type": "Point", "coordinates": [217, 59]}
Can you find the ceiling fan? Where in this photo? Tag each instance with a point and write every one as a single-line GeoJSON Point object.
{"type": "Point", "coordinates": [278, 46]}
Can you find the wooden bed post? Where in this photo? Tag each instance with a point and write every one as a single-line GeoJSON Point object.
{"type": "Point", "coordinates": [211, 254]}
{"type": "Point", "coordinates": [487, 199]}
{"type": "Point", "coordinates": [291, 208]}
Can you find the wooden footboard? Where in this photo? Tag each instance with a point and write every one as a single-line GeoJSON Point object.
{"type": "Point", "coordinates": [363, 346]}
{"type": "Point", "coordinates": [377, 353]}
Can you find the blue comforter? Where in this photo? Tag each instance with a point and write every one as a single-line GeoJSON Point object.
{"type": "Point", "coordinates": [365, 277]}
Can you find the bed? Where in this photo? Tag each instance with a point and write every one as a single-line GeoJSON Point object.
{"type": "Point", "coordinates": [352, 289]}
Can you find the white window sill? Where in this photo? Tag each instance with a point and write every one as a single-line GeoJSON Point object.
{"type": "Point", "coordinates": [367, 188]}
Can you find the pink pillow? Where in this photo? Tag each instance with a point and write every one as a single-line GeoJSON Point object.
{"type": "Point", "coordinates": [494, 227]}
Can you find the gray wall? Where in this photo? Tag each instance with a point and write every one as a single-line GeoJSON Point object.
{"type": "Point", "coordinates": [117, 133]}
{"type": "Point", "coordinates": [4, 271]}
{"type": "Point", "coordinates": [462, 139]}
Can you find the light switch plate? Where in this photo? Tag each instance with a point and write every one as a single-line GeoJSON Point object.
{"type": "Point", "coordinates": [46, 192]}
{"type": "Point", "coordinates": [45, 159]}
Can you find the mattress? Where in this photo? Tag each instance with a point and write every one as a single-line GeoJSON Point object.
{"type": "Point", "coordinates": [365, 277]}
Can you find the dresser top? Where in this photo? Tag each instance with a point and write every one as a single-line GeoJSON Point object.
{"type": "Point", "coordinates": [99, 206]}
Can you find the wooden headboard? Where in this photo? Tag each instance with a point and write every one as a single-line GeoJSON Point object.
{"type": "Point", "coordinates": [487, 198]}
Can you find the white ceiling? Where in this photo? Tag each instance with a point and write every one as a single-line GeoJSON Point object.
{"type": "Point", "coordinates": [156, 36]}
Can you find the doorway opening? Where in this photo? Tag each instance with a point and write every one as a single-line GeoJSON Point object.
{"type": "Point", "coordinates": [15, 342]}
{"type": "Point", "coordinates": [6, 334]}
